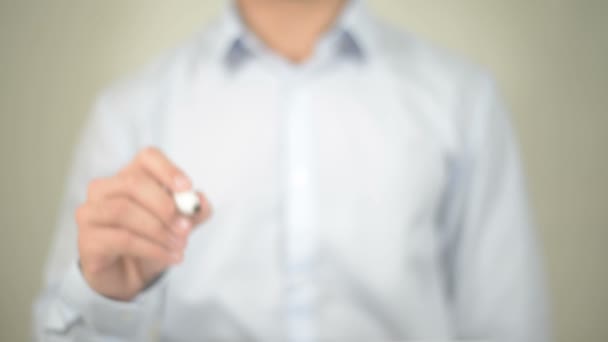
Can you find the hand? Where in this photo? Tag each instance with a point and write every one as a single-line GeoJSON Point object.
{"type": "Point", "coordinates": [129, 230]}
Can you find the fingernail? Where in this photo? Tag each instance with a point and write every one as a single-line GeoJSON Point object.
{"type": "Point", "coordinates": [182, 183]}
{"type": "Point", "coordinates": [183, 225]}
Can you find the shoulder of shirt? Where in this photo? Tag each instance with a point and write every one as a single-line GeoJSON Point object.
{"type": "Point", "coordinates": [409, 56]}
{"type": "Point", "coordinates": [148, 86]}
{"type": "Point", "coordinates": [449, 86]}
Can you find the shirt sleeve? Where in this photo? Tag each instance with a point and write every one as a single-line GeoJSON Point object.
{"type": "Point", "coordinates": [75, 312]}
{"type": "Point", "coordinates": [494, 274]}
{"type": "Point", "coordinates": [67, 308]}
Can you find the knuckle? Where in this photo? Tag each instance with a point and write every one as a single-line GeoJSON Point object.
{"type": "Point", "coordinates": [86, 248]}
{"type": "Point", "coordinates": [174, 173]}
{"type": "Point", "coordinates": [87, 245]}
{"type": "Point", "coordinates": [81, 214]}
{"type": "Point", "coordinates": [82, 241]}
{"type": "Point", "coordinates": [148, 153]}
{"type": "Point", "coordinates": [94, 187]}
{"type": "Point", "coordinates": [119, 208]}
{"type": "Point", "coordinates": [130, 183]}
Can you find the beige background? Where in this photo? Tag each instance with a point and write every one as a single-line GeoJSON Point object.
{"type": "Point", "coordinates": [549, 56]}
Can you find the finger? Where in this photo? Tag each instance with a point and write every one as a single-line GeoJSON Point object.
{"type": "Point", "coordinates": [205, 210]}
{"type": "Point", "coordinates": [127, 214]}
{"type": "Point", "coordinates": [139, 187]}
{"type": "Point", "coordinates": [109, 243]}
{"type": "Point", "coordinates": [155, 163]}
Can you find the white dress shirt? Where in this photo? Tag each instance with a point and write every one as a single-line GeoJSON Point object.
{"type": "Point", "coordinates": [373, 193]}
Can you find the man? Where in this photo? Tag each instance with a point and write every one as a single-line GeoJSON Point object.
{"type": "Point", "coordinates": [364, 186]}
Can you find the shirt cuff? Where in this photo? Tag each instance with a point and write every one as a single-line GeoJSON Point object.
{"type": "Point", "coordinates": [106, 316]}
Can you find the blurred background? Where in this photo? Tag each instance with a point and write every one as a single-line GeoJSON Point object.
{"type": "Point", "coordinates": [549, 57]}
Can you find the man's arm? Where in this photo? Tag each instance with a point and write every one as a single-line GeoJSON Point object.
{"type": "Point", "coordinates": [115, 236]}
{"type": "Point", "coordinates": [104, 146]}
{"type": "Point", "coordinates": [494, 275]}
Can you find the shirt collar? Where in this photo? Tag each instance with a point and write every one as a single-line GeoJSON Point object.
{"type": "Point", "coordinates": [351, 29]}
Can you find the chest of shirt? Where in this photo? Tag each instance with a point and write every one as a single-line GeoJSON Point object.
{"type": "Point", "coordinates": [370, 146]}
{"type": "Point", "coordinates": [379, 165]}
{"type": "Point", "coordinates": [379, 173]}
